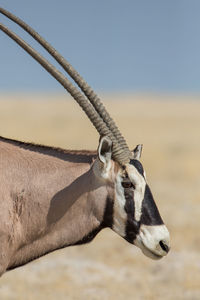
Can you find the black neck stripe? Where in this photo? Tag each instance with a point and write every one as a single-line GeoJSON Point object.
{"type": "Point", "coordinates": [108, 213]}
{"type": "Point", "coordinates": [107, 222]}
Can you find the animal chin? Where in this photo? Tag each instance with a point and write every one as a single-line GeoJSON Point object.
{"type": "Point", "coordinates": [146, 251]}
{"type": "Point", "coordinates": [150, 253]}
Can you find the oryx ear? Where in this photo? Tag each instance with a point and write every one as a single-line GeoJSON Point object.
{"type": "Point", "coordinates": [105, 149]}
{"type": "Point", "coordinates": [137, 152]}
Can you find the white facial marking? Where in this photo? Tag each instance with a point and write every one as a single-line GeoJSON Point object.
{"type": "Point", "coordinates": [119, 215]}
{"type": "Point", "coordinates": [149, 238]}
{"type": "Point", "coordinates": [139, 182]}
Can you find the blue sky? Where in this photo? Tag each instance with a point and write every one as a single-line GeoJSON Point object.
{"type": "Point", "coordinates": [116, 45]}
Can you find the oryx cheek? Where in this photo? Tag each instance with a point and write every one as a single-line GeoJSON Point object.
{"type": "Point", "coordinates": [119, 214]}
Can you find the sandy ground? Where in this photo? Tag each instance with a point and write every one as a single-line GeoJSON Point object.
{"type": "Point", "coordinates": [110, 268]}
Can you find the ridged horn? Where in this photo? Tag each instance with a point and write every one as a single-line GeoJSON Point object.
{"type": "Point", "coordinates": [118, 152]}
{"type": "Point", "coordinates": [87, 90]}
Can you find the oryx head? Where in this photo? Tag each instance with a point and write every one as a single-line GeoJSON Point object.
{"type": "Point", "coordinates": [135, 215]}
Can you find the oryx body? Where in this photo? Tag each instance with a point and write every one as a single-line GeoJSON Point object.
{"type": "Point", "coordinates": [52, 198]}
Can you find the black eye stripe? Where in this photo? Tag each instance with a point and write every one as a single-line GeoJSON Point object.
{"type": "Point", "coordinates": [132, 227]}
{"type": "Point", "coordinates": [127, 185]}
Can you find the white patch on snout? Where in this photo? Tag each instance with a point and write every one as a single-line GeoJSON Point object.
{"type": "Point", "coordinates": [149, 238]}
{"type": "Point", "coordinates": [140, 184]}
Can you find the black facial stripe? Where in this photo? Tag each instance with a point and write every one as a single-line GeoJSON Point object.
{"type": "Point", "coordinates": [150, 213]}
{"type": "Point", "coordinates": [129, 206]}
{"type": "Point", "coordinates": [132, 226]}
{"type": "Point", "coordinates": [137, 165]}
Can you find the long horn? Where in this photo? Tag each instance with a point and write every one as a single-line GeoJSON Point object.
{"type": "Point", "coordinates": [87, 90]}
{"type": "Point", "coordinates": [118, 153]}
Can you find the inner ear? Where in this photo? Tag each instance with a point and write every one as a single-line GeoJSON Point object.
{"type": "Point", "coordinates": [105, 149]}
{"type": "Point", "coordinates": [137, 152]}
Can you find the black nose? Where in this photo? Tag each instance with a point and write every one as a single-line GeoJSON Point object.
{"type": "Point", "coordinates": [164, 246]}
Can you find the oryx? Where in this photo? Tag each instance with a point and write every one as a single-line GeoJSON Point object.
{"type": "Point", "coordinates": [52, 198]}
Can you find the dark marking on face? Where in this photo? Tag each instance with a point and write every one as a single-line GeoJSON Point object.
{"type": "Point", "coordinates": [132, 226]}
{"type": "Point", "coordinates": [129, 206]}
{"type": "Point", "coordinates": [138, 166]}
{"type": "Point", "coordinates": [150, 213]}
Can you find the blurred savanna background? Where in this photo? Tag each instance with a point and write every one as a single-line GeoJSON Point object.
{"type": "Point", "coordinates": [143, 59]}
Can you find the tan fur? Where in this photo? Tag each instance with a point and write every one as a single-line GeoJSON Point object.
{"type": "Point", "coordinates": [50, 198]}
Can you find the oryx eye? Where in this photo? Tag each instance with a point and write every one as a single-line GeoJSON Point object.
{"type": "Point", "coordinates": [127, 184]}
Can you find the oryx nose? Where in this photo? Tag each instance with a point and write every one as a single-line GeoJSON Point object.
{"type": "Point", "coordinates": [164, 246]}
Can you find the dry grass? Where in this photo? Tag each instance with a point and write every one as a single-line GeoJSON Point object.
{"type": "Point", "coordinates": [110, 268]}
